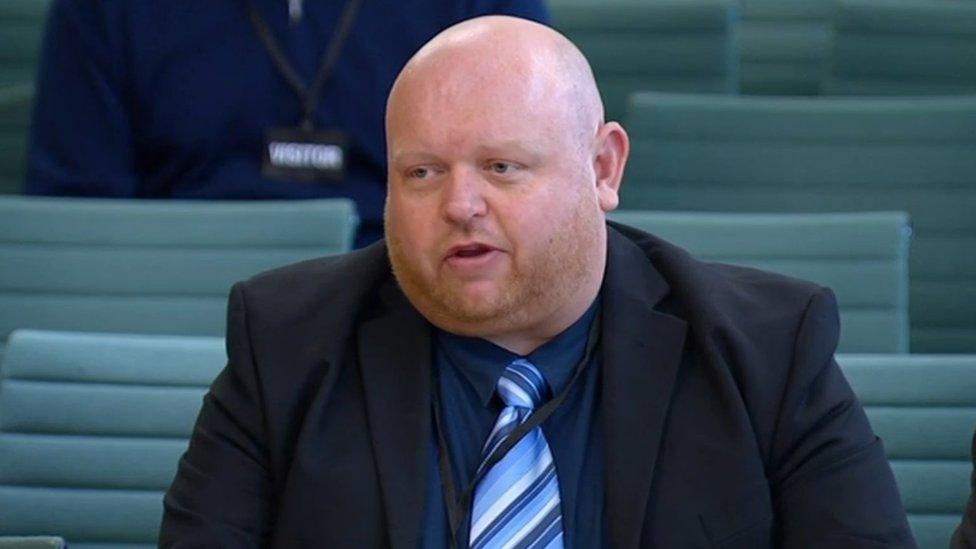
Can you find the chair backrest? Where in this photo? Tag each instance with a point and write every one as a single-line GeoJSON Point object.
{"type": "Point", "coordinates": [784, 44]}
{"type": "Point", "coordinates": [21, 30]}
{"type": "Point", "coordinates": [672, 45]}
{"type": "Point", "coordinates": [924, 408]}
{"type": "Point", "coordinates": [763, 154]}
{"type": "Point", "coordinates": [153, 267]}
{"type": "Point", "coordinates": [15, 111]}
{"type": "Point", "coordinates": [902, 47]}
{"type": "Point", "coordinates": [91, 429]}
{"type": "Point", "coordinates": [863, 257]}
{"type": "Point", "coordinates": [31, 542]}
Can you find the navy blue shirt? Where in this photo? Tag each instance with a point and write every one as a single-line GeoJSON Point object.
{"type": "Point", "coordinates": [468, 371]}
{"type": "Point", "coordinates": [173, 98]}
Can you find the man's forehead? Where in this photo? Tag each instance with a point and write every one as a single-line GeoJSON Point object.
{"type": "Point", "coordinates": [491, 101]}
{"type": "Point", "coordinates": [482, 146]}
{"type": "Point", "coordinates": [487, 102]}
{"type": "Point", "coordinates": [513, 129]}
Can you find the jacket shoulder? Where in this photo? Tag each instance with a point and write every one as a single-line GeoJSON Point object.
{"type": "Point", "coordinates": [733, 300]}
{"type": "Point", "coordinates": [338, 283]}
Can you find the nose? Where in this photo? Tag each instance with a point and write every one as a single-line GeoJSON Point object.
{"type": "Point", "coordinates": [463, 198]}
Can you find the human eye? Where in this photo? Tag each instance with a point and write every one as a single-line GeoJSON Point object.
{"type": "Point", "coordinates": [420, 172]}
{"type": "Point", "coordinates": [501, 167]}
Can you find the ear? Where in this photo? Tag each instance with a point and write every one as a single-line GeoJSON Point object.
{"type": "Point", "coordinates": [612, 148]}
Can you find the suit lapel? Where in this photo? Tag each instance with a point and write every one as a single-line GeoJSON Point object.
{"type": "Point", "coordinates": [641, 350]}
{"type": "Point", "coordinates": [395, 356]}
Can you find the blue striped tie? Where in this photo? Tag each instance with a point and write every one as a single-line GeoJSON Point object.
{"type": "Point", "coordinates": [516, 503]}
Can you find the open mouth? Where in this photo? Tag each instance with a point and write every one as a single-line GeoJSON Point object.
{"type": "Point", "coordinates": [472, 250]}
{"type": "Point", "coordinates": [471, 255]}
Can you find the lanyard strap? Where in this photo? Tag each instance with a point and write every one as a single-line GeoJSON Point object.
{"type": "Point", "coordinates": [309, 96]}
{"type": "Point", "coordinates": [459, 507]}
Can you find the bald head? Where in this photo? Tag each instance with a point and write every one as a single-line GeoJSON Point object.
{"type": "Point", "coordinates": [501, 171]}
{"type": "Point", "coordinates": [524, 59]}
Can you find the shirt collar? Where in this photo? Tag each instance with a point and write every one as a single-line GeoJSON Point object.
{"type": "Point", "coordinates": [482, 363]}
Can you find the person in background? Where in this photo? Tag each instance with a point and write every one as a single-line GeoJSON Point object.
{"type": "Point", "coordinates": [228, 99]}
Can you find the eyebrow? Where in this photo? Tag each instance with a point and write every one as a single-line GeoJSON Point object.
{"type": "Point", "coordinates": [506, 146]}
{"type": "Point", "coordinates": [499, 148]}
{"type": "Point", "coordinates": [406, 157]}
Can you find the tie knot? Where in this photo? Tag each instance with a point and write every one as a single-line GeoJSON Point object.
{"type": "Point", "coordinates": [522, 385]}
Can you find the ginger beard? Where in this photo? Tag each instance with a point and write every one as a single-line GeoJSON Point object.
{"type": "Point", "coordinates": [532, 290]}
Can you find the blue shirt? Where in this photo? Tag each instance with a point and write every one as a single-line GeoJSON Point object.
{"type": "Point", "coordinates": [173, 98]}
{"type": "Point", "coordinates": [468, 371]}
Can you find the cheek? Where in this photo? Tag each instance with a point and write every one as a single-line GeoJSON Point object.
{"type": "Point", "coordinates": [533, 226]}
{"type": "Point", "coordinates": [411, 226]}
{"type": "Point", "coordinates": [556, 220]}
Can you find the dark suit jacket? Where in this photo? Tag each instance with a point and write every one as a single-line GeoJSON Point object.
{"type": "Point", "coordinates": [965, 535]}
{"type": "Point", "coordinates": [727, 422]}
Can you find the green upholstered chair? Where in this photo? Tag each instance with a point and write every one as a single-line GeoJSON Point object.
{"type": "Point", "coordinates": [827, 154]}
{"type": "Point", "coordinates": [91, 429]}
{"type": "Point", "coordinates": [21, 31]}
{"type": "Point", "coordinates": [924, 408]}
{"type": "Point", "coordinates": [672, 45]}
{"type": "Point", "coordinates": [31, 542]}
{"type": "Point", "coordinates": [784, 44]}
{"type": "Point", "coordinates": [153, 267]}
{"type": "Point", "coordinates": [903, 47]}
{"type": "Point", "coordinates": [15, 106]}
{"type": "Point", "coordinates": [863, 257]}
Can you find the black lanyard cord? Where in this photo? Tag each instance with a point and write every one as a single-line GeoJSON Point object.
{"type": "Point", "coordinates": [309, 96]}
{"type": "Point", "coordinates": [459, 507]}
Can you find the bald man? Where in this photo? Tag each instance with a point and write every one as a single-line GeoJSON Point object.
{"type": "Point", "coordinates": [507, 369]}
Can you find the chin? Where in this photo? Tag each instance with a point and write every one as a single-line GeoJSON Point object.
{"type": "Point", "coordinates": [474, 311]}
{"type": "Point", "coordinates": [467, 314]}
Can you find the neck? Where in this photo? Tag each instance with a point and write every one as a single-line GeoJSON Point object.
{"type": "Point", "coordinates": [521, 346]}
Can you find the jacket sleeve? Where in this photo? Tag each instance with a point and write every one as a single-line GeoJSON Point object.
{"type": "Point", "coordinates": [81, 140]}
{"type": "Point", "coordinates": [831, 483]}
{"type": "Point", "coordinates": [222, 493]}
{"type": "Point", "coordinates": [965, 535]}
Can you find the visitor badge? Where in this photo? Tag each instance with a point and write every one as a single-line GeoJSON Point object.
{"type": "Point", "coordinates": [304, 155]}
